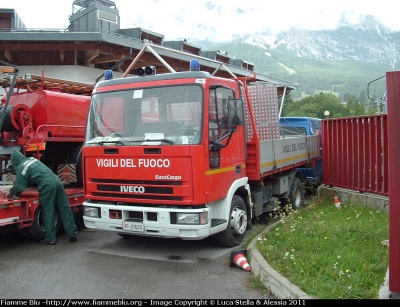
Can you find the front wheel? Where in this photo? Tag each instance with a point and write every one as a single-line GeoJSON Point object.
{"type": "Point", "coordinates": [234, 233]}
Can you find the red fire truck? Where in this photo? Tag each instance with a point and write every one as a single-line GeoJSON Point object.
{"type": "Point", "coordinates": [44, 118]}
{"type": "Point", "coordinates": [188, 155]}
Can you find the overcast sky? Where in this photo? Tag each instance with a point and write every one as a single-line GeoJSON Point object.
{"type": "Point", "coordinates": [217, 20]}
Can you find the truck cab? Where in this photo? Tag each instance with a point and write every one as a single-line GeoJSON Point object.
{"type": "Point", "coordinates": [294, 126]}
{"type": "Point", "coordinates": [300, 125]}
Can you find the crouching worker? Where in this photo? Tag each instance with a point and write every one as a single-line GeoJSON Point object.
{"type": "Point", "coordinates": [51, 194]}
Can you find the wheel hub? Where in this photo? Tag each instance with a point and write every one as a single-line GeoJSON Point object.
{"type": "Point", "coordinates": [238, 221]}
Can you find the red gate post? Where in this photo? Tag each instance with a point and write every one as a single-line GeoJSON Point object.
{"type": "Point", "coordinates": [393, 110]}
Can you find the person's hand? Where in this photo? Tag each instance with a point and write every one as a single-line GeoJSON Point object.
{"type": "Point", "coordinates": [11, 197]}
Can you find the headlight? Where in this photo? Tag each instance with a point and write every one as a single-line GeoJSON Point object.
{"type": "Point", "coordinates": [91, 211]}
{"type": "Point", "coordinates": [192, 218]}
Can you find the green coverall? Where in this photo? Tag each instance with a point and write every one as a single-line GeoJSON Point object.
{"type": "Point", "coordinates": [51, 193]}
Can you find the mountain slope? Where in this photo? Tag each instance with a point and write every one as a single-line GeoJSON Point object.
{"type": "Point", "coordinates": [343, 60]}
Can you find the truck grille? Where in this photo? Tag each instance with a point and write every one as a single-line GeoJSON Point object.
{"type": "Point", "coordinates": [137, 196]}
{"type": "Point", "coordinates": [116, 181]}
{"type": "Point", "coordinates": [137, 189]}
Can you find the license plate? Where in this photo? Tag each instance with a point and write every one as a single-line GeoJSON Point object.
{"type": "Point", "coordinates": [134, 226]}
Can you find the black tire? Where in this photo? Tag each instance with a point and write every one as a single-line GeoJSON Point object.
{"type": "Point", "coordinates": [234, 233]}
{"type": "Point", "coordinates": [36, 230]}
{"type": "Point", "coordinates": [7, 123]}
{"type": "Point", "coordinates": [296, 194]}
{"type": "Point", "coordinates": [78, 218]}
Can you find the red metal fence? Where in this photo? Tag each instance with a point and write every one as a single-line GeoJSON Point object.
{"type": "Point", "coordinates": [355, 153]}
{"type": "Point", "coordinates": [393, 98]}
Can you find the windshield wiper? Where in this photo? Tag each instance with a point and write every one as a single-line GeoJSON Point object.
{"type": "Point", "coordinates": [126, 142]}
{"type": "Point", "coordinates": [104, 140]}
{"type": "Point", "coordinates": [158, 140]}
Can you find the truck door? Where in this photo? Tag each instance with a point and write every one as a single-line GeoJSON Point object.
{"type": "Point", "coordinates": [218, 122]}
{"type": "Point", "coordinates": [226, 162]}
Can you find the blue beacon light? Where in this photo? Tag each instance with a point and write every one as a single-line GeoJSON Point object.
{"type": "Point", "coordinates": [108, 75]}
{"type": "Point", "coordinates": [194, 65]}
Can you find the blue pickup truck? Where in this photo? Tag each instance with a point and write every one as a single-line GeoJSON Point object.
{"type": "Point", "coordinates": [291, 126]}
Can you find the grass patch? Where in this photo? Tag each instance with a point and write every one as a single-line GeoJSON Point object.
{"type": "Point", "coordinates": [256, 230]}
{"type": "Point", "coordinates": [330, 253]}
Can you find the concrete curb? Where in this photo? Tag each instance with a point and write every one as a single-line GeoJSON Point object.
{"type": "Point", "coordinates": [385, 293]}
{"type": "Point", "coordinates": [279, 285]}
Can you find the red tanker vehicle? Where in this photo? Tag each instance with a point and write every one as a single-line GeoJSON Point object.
{"type": "Point", "coordinates": [44, 118]}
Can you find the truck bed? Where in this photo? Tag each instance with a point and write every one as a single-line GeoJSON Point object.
{"type": "Point", "coordinates": [273, 156]}
{"type": "Point", "coordinates": [21, 210]}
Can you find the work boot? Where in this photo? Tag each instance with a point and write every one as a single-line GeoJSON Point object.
{"type": "Point", "coordinates": [48, 242]}
{"type": "Point", "coordinates": [73, 239]}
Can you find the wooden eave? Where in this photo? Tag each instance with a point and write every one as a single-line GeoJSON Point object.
{"type": "Point", "coordinates": [37, 82]}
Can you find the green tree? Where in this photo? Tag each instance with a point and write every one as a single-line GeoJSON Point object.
{"type": "Point", "coordinates": [350, 106]}
{"type": "Point", "coordinates": [359, 109]}
{"type": "Point", "coordinates": [315, 106]}
{"type": "Point", "coordinates": [355, 108]}
{"type": "Point", "coordinates": [363, 98]}
{"type": "Point", "coordinates": [287, 102]}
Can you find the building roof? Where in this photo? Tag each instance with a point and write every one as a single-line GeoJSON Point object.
{"type": "Point", "coordinates": [105, 46]}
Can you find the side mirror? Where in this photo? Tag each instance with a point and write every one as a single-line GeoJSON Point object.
{"type": "Point", "coordinates": [217, 146]}
{"type": "Point", "coordinates": [235, 112]}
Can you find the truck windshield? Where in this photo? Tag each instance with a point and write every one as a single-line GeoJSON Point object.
{"type": "Point", "coordinates": [293, 130]}
{"type": "Point", "coordinates": [148, 116]}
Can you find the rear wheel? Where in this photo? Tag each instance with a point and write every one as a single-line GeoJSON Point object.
{"type": "Point", "coordinates": [296, 194]}
{"type": "Point", "coordinates": [234, 233]}
{"type": "Point", "coordinates": [36, 230]}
